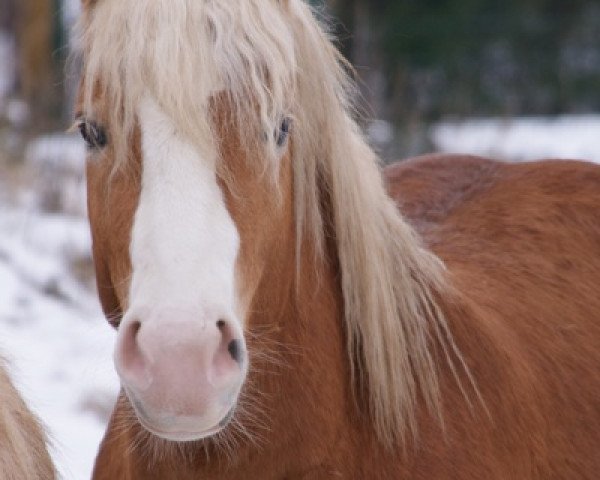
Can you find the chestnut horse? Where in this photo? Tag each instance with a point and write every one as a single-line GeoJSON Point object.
{"type": "Point", "coordinates": [23, 451]}
{"type": "Point", "coordinates": [284, 311]}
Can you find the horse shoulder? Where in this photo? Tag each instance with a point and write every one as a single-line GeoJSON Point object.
{"type": "Point", "coordinates": [522, 245]}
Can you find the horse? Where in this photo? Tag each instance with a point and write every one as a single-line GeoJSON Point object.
{"type": "Point", "coordinates": [284, 309]}
{"type": "Point", "coordinates": [23, 443]}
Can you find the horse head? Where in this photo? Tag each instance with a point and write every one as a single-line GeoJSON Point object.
{"type": "Point", "coordinates": [189, 197]}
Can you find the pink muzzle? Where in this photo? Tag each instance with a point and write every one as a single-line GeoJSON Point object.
{"type": "Point", "coordinates": [182, 374]}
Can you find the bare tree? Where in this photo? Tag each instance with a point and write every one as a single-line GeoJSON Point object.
{"type": "Point", "coordinates": [38, 73]}
{"type": "Point", "coordinates": [7, 45]}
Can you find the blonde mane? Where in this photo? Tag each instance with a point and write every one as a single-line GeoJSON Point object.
{"type": "Point", "coordinates": [23, 443]}
{"type": "Point", "coordinates": [273, 58]}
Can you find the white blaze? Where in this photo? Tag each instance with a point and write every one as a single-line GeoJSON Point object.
{"type": "Point", "coordinates": [184, 243]}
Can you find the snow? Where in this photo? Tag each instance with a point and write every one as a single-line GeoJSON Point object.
{"type": "Point", "coordinates": [521, 139]}
{"type": "Point", "coordinates": [53, 334]}
{"type": "Point", "coordinates": [71, 10]}
{"type": "Point", "coordinates": [17, 112]}
{"type": "Point", "coordinates": [58, 162]}
{"type": "Point", "coordinates": [380, 132]}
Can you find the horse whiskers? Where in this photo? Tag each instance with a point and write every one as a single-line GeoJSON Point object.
{"type": "Point", "coordinates": [239, 428]}
{"type": "Point", "coordinates": [265, 338]}
{"type": "Point", "coordinates": [255, 395]}
{"type": "Point", "coordinates": [226, 444]}
{"type": "Point", "coordinates": [243, 429]}
{"type": "Point", "coordinates": [237, 434]}
{"type": "Point", "coordinates": [273, 353]}
{"type": "Point", "coordinates": [264, 349]}
{"type": "Point", "coordinates": [252, 422]}
{"type": "Point", "coordinates": [251, 430]}
{"type": "Point", "coordinates": [248, 404]}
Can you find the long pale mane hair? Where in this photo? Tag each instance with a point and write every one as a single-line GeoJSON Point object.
{"type": "Point", "coordinates": [274, 58]}
{"type": "Point", "coordinates": [23, 442]}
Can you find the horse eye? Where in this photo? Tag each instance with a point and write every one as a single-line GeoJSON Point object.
{"type": "Point", "coordinates": [93, 134]}
{"type": "Point", "coordinates": [284, 131]}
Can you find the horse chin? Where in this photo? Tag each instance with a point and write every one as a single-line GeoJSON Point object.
{"type": "Point", "coordinates": [179, 436]}
{"type": "Point", "coordinates": [180, 428]}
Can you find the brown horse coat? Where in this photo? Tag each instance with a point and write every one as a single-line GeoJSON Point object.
{"type": "Point", "coordinates": [522, 246]}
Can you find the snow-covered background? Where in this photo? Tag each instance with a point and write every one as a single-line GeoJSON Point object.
{"type": "Point", "coordinates": [521, 139]}
{"type": "Point", "coordinates": [52, 332]}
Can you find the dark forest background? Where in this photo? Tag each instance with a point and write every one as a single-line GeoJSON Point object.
{"type": "Point", "coordinates": [421, 61]}
{"type": "Point", "coordinates": [472, 57]}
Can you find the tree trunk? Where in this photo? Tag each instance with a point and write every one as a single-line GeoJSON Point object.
{"type": "Point", "coordinates": [7, 47]}
{"type": "Point", "coordinates": [40, 72]}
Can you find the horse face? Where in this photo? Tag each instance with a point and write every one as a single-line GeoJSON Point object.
{"type": "Point", "coordinates": [180, 254]}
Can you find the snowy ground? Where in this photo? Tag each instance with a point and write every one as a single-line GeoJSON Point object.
{"type": "Point", "coordinates": [568, 136]}
{"type": "Point", "coordinates": [52, 332]}
{"type": "Point", "coordinates": [51, 329]}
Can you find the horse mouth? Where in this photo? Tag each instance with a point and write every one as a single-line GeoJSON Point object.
{"type": "Point", "coordinates": [180, 429]}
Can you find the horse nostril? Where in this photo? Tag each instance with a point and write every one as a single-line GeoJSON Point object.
{"type": "Point", "coordinates": [135, 327]}
{"type": "Point", "coordinates": [234, 347]}
{"type": "Point", "coordinates": [132, 364]}
{"type": "Point", "coordinates": [235, 350]}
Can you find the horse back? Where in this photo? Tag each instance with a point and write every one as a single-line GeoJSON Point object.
{"type": "Point", "coordinates": [522, 247]}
